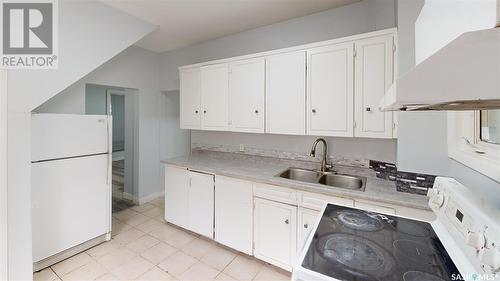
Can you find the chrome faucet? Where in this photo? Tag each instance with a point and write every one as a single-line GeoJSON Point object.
{"type": "Point", "coordinates": [324, 164]}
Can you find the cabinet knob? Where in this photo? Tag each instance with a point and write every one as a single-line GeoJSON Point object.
{"type": "Point", "coordinates": [314, 111]}
{"type": "Point", "coordinates": [306, 225]}
{"type": "Point", "coordinates": [256, 111]}
{"type": "Point", "coordinates": [368, 109]}
{"type": "Point", "coordinates": [196, 111]}
{"type": "Point", "coordinates": [287, 221]}
{"type": "Point", "coordinates": [204, 111]}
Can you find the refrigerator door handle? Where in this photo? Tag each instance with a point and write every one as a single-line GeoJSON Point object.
{"type": "Point", "coordinates": [110, 149]}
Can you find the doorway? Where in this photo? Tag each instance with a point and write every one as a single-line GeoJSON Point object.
{"type": "Point", "coordinates": [120, 104]}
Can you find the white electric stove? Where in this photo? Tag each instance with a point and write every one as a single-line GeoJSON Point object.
{"type": "Point", "coordinates": [463, 243]}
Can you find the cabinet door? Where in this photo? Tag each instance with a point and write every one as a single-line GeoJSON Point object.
{"type": "Point", "coordinates": [201, 203]}
{"type": "Point", "coordinates": [275, 232]}
{"type": "Point", "coordinates": [373, 76]}
{"type": "Point", "coordinates": [330, 90]}
{"type": "Point", "coordinates": [190, 98]}
{"type": "Point", "coordinates": [234, 213]}
{"type": "Point", "coordinates": [286, 94]}
{"type": "Point", "coordinates": [176, 196]}
{"type": "Point", "coordinates": [306, 218]}
{"type": "Point", "coordinates": [246, 95]}
{"type": "Point", "coordinates": [215, 97]}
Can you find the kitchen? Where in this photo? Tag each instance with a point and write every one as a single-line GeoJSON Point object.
{"type": "Point", "coordinates": [252, 142]}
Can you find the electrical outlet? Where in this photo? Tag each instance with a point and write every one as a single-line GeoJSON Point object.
{"type": "Point", "coordinates": [242, 147]}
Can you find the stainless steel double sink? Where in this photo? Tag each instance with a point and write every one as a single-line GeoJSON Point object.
{"type": "Point", "coordinates": [325, 178]}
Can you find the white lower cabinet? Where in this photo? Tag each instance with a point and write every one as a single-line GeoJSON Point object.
{"type": "Point", "coordinates": [201, 203]}
{"type": "Point", "coordinates": [306, 219]}
{"type": "Point", "coordinates": [275, 232]}
{"type": "Point", "coordinates": [176, 195]}
{"type": "Point", "coordinates": [189, 200]}
{"type": "Point", "coordinates": [234, 213]}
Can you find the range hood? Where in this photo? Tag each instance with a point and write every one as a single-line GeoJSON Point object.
{"type": "Point", "coordinates": [463, 75]}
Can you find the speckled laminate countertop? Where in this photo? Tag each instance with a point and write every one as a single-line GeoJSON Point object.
{"type": "Point", "coordinates": [264, 170]}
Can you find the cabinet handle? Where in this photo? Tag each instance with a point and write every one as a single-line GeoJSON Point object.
{"type": "Point", "coordinates": [256, 111]}
{"type": "Point", "coordinates": [314, 111]}
{"type": "Point", "coordinates": [196, 111]}
{"type": "Point", "coordinates": [368, 109]}
{"type": "Point", "coordinates": [306, 225]}
{"type": "Point", "coordinates": [287, 221]}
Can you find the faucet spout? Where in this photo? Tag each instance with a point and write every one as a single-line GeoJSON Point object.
{"type": "Point", "coordinates": [325, 152]}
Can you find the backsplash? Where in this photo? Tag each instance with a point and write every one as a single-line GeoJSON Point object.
{"type": "Point", "coordinates": [405, 181]}
{"type": "Point", "coordinates": [335, 160]}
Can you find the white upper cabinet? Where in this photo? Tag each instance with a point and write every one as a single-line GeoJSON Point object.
{"type": "Point", "coordinates": [329, 88]}
{"type": "Point", "coordinates": [215, 97]}
{"type": "Point", "coordinates": [330, 93]}
{"type": "Point", "coordinates": [246, 95]}
{"type": "Point", "coordinates": [286, 93]}
{"type": "Point", "coordinates": [190, 98]}
{"type": "Point", "coordinates": [373, 75]}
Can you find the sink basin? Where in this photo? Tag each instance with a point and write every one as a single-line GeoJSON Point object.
{"type": "Point", "coordinates": [301, 175]}
{"type": "Point", "coordinates": [344, 181]}
{"type": "Point", "coordinates": [328, 178]}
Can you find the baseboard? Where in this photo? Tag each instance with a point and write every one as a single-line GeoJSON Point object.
{"type": "Point", "coordinates": [151, 197]}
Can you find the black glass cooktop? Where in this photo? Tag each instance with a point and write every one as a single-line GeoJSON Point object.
{"type": "Point", "coordinates": [355, 245]}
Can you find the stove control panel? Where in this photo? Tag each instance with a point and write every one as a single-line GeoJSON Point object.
{"type": "Point", "coordinates": [471, 221]}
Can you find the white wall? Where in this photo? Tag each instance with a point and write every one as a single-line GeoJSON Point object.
{"type": "Point", "coordinates": [422, 143]}
{"type": "Point", "coordinates": [360, 17]}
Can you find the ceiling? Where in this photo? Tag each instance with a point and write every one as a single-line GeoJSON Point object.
{"type": "Point", "coordinates": [183, 23]}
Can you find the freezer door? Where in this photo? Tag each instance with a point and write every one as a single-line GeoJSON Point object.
{"type": "Point", "coordinates": [71, 203]}
{"type": "Point", "coordinates": [55, 136]}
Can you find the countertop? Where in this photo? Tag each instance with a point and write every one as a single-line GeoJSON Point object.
{"type": "Point", "coordinates": [264, 170]}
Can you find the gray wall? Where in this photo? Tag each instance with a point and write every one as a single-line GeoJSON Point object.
{"type": "Point", "coordinates": [422, 139]}
{"type": "Point", "coordinates": [360, 17]}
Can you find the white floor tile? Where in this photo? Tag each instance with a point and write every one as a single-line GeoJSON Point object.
{"type": "Point", "coordinates": [218, 257]}
{"type": "Point", "coordinates": [179, 239]}
{"type": "Point", "coordinates": [156, 211]}
{"type": "Point", "coordinates": [66, 266]}
{"type": "Point", "coordinates": [177, 263]}
{"type": "Point", "coordinates": [158, 253]}
{"type": "Point", "coordinates": [132, 269]}
{"type": "Point", "coordinates": [164, 232]}
{"type": "Point", "coordinates": [155, 274]}
{"type": "Point", "coordinates": [243, 268]}
{"type": "Point", "coordinates": [198, 247]}
{"type": "Point", "coordinates": [89, 271]}
{"type": "Point", "coordinates": [199, 271]}
{"type": "Point", "coordinates": [103, 249]}
{"type": "Point", "coordinates": [116, 258]}
{"type": "Point", "coordinates": [128, 236]}
{"type": "Point", "coordinates": [143, 243]}
{"type": "Point", "coordinates": [270, 273]}
{"type": "Point", "coordinates": [149, 225]}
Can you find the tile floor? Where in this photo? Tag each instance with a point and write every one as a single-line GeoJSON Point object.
{"type": "Point", "coordinates": [145, 247]}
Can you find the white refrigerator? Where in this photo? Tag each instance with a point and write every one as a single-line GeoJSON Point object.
{"type": "Point", "coordinates": [70, 184]}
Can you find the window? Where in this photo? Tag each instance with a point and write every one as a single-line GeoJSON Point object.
{"type": "Point", "coordinates": [474, 140]}
{"type": "Point", "coordinates": [490, 126]}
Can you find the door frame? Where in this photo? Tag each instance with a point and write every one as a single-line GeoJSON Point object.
{"type": "Point", "coordinates": [129, 141]}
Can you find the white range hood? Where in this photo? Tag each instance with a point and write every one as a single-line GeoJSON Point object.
{"type": "Point", "coordinates": [463, 75]}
